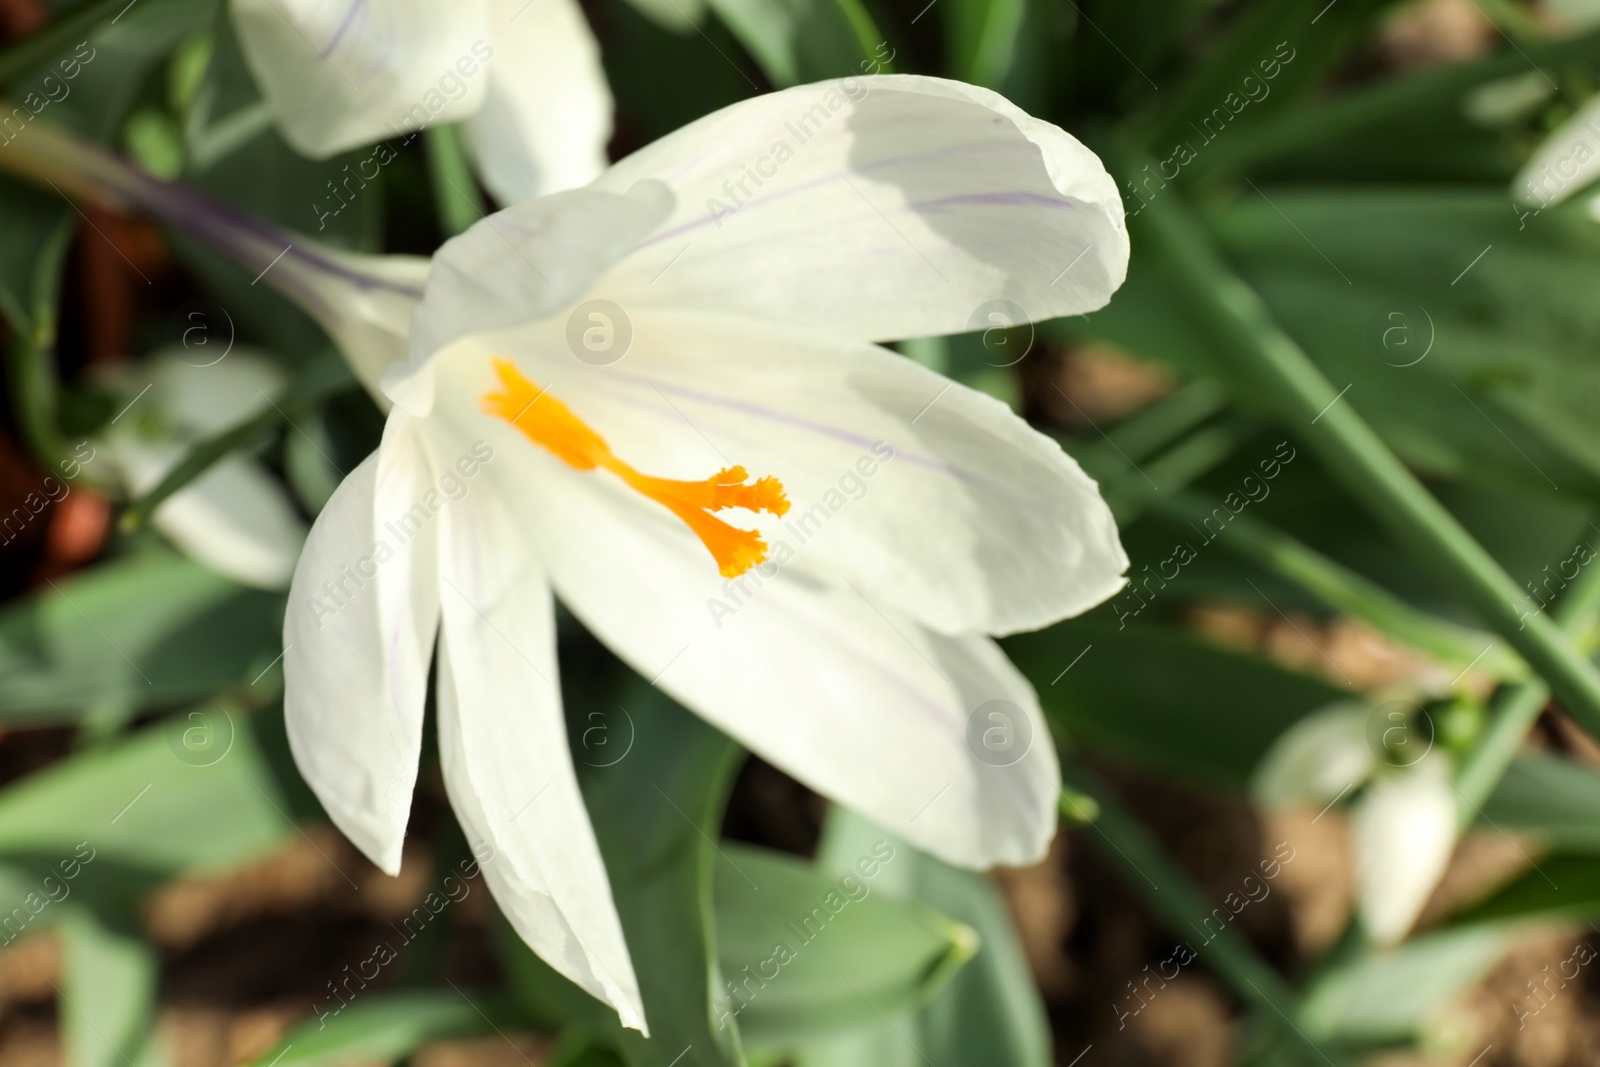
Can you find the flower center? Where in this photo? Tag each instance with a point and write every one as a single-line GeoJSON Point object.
{"type": "Point", "coordinates": [550, 424]}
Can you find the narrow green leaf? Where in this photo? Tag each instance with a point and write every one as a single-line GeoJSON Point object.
{"type": "Point", "coordinates": [1343, 589]}
{"type": "Point", "coordinates": [147, 630]}
{"type": "Point", "coordinates": [982, 36]}
{"type": "Point", "coordinates": [990, 1010]}
{"type": "Point", "coordinates": [1557, 888]}
{"type": "Point", "coordinates": [1516, 707]}
{"type": "Point", "coordinates": [1175, 900]}
{"type": "Point", "coordinates": [1327, 420]}
{"type": "Point", "coordinates": [157, 801]}
{"type": "Point", "coordinates": [805, 954]}
{"type": "Point", "coordinates": [455, 191]}
{"type": "Point", "coordinates": [381, 1028]}
{"type": "Point", "coordinates": [1555, 800]}
{"type": "Point", "coordinates": [108, 999]}
{"type": "Point", "coordinates": [1385, 997]}
{"type": "Point", "coordinates": [799, 41]}
{"type": "Point", "coordinates": [1095, 683]}
{"type": "Point", "coordinates": [323, 377]}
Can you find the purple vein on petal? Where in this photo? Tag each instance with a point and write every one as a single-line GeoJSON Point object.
{"type": "Point", "coordinates": [987, 148]}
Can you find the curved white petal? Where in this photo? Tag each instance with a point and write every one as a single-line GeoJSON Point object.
{"type": "Point", "coordinates": [517, 266]}
{"type": "Point", "coordinates": [874, 208]}
{"type": "Point", "coordinates": [546, 115]}
{"type": "Point", "coordinates": [931, 498]}
{"type": "Point", "coordinates": [234, 518]}
{"type": "Point", "coordinates": [503, 746]}
{"type": "Point", "coordinates": [342, 73]}
{"type": "Point", "coordinates": [205, 388]}
{"type": "Point", "coordinates": [1317, 760]}
{"type": "Point", "coordinates": [237, 520]}
{"type": "Point", "coordinates": [857, 700]}
{"type": "Point", "coordinates": [1405, 831]}
{"type": "Point", "coordinates": [1566, 162]}
{"type": "Point", "coordinates": [358, 636]}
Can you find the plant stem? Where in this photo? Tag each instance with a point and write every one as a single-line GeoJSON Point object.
{"type": "Point", "coordinates": [318, 381]}
{"type": "Point", "coordinates": [31, 359]}
{"type": "Point", "coordinates": [1516, 707]}
{"type": "Point", "coordinates": [1171, 894]}
{"type": "Point", "coordinates": [1340, 588]}
{"type": "Point", "coordinates": [455, 190]}
{"type": "Point", "coordinates": [1358, 458]}
{"type": "Point", "coordinates": [1350, 112]}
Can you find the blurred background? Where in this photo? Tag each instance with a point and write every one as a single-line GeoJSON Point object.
{"type": "Point", "coordinates": [1318, 812]}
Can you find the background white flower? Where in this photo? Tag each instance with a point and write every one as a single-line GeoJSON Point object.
{"type": "Point", "coordinates": [523, 75]}
{"type": "Point", "coordinates": [235, 518]}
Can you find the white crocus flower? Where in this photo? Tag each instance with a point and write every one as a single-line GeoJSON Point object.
{"type": "Point", "coordinates": [1566, 162]}
{"type": "Point", "coordinates": [597, 378]}
{"type": "Point", "coordinates": [523, 75]}
{"type": "Point", "coordinates": [1404, 828]}
{"type": "Point", "coordinates": [1317, 760]}
{"type": "Point", "coordinates": [235, 518]}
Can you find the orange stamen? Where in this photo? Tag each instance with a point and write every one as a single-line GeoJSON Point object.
{"type": "Point", "coordinates": [550, 424]}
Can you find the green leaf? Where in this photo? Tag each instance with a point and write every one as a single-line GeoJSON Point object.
{"type": "Point", "coordinates": [379, 1028]}
{"type": "Point", "coordinates": [1465, 331]}
{"type": "Point", "coordinates": [805, 954]}
{"type": "Point", "coordinates": [157, 801]}
{"type": "Point", "coordinates": [670, 76]}
{"type": "Point", "coordinates": [1095, 681]}
{"type": "Point", "coordinates": [982, 36]}
{"type": "Point", "coordinates": [1382, 997]}
{"type": "Point", "coordinates": [1555, 800]}
{"type": "Point", "coordinates": [37, 226]}
{"type": "Point", "coordinates": [656, 806]}
{"type": "Point", "coordinates": [109, 997]}
{"type": "Point", "coordinates": [798, 41]}
{"type": "Point", "coordinates": [143, 631]}
{"type": "Point", "coordinates": [989, 1011]}
{"type": "Point", "coordinates": [1559, 887]}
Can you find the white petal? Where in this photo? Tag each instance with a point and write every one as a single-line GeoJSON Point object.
{"type": "Point", "coordinates": [546, 116]}
{"type": "Point", "coordinates": [1405, 830]}
{"type": "Point", "coordinates": [1318, 759]}
{"type": "Point", "coordinates": [365, 303]}
{"type": "Point", "coordinates": [1566, 162]}
{"type": "Point", "coordinates": [358, 636]}
{"type": "Point", "coordinates": [520, 265]}
{"type": "Point", "coordinates": [503, 746]}
{"type": "Point", "coordinates": [207, 388]}
{"type": "Point", "coordinates": [875, 208]}
{"type": "Point", "coordinates": [856, 700]}
{"type": "Point", "coordinates": [929, 497]}
{"type": "Point", "coordinates": [237, 520]}
{"type": "Point", "coordinates": [342, 73]}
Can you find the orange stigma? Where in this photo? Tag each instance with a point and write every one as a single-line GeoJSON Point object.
{"type": "Point", "coordinates": [550, 424]}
